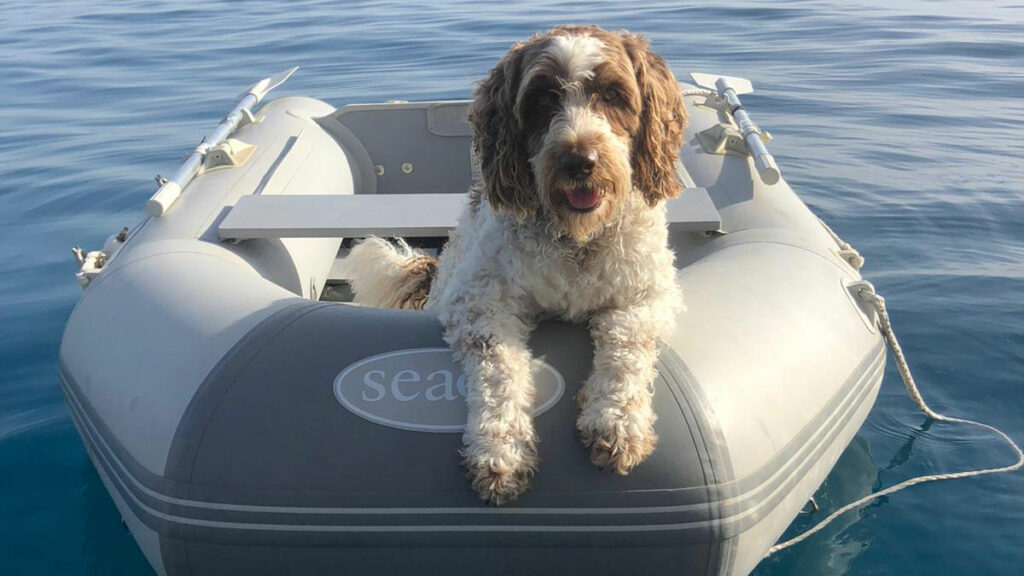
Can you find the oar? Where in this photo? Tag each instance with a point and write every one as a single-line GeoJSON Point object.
{"type": "Point", "coordinates": [170, 190]}
{"type": "Point", "coordinates": [730, 88]}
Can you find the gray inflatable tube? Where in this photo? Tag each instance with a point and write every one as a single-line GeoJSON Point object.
{"type": "Point", "coordinates": [243, 425]}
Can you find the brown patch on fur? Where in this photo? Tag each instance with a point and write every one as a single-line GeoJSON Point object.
{"type": "Point", "coordinates": [617, 92]}
{"type": "Point", "coordinates": [475, 198]}
{"type": "Point", "coordinates": [508, 180]}
{"type": "Point", "coordinates": [662, 120]}
{"type": "Point", "coordinates": [617, 451]}
{"type": "Point", "coordinates": [632, 91]}
{"type": "Point", "coordinates": [421, 271]}
{"type": "Point", "coordinates": [498, 486]}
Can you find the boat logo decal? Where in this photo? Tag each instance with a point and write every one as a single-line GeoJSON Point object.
{"type": "Point", "coordinates": [424, 390]}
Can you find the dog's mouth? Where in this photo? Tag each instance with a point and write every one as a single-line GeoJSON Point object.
{"type": "Point", "coordinates": [583, 198]}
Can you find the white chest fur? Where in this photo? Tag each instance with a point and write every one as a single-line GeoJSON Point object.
{"type": "Point", "coordinates": [524, 267]}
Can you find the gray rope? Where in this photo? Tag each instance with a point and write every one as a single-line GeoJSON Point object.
{"type": "Point", "coordinates": [868, 293]}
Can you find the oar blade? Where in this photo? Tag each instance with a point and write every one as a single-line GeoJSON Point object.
{"type": "Point", "coordinates": [261, 88]}
{"type": "Point", "coordinates": [710, 81]}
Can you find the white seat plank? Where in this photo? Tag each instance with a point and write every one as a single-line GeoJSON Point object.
{"type": "Point", "coordinates": [692, 211]}
{"type": "Point", "coordinates": [406, 215]}
{"type": "Point", "coordinates": [356, 216]}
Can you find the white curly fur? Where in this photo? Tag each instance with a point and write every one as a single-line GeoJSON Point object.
{"type": "Point", "coordinates": [503, 270]}
{"type": "Point", "coordinates": [388, 275]}
{"type": "Point", "coordinates": [498, 276]}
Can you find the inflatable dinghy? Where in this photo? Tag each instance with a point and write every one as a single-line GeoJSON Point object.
{"type": "Point", "coordinates": [246, 420]}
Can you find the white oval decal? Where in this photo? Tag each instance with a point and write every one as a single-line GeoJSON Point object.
{"type": "Point", "coordinates": [423, 389]}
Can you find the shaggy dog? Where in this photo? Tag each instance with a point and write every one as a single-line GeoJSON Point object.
{"type": "Point", "coordinates": [578, 132]}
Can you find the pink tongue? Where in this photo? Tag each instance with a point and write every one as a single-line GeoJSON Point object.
{"type": "Point", "coordinates": [583, 198]}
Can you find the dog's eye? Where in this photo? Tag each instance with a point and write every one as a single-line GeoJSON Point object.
{"type": "Point", "coordinates": [611, 95]}
{"type": "Point", "coordinates": [547, 101]}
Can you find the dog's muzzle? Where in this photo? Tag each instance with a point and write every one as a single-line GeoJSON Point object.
{"type": "Point", "coordinates": [577, 166]}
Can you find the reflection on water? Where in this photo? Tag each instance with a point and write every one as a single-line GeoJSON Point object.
{"type": "Point", "coordinates": [832, 550]}
{"type": "Point", "coordinates": [829, 552]}
{"type": "Point", "coordinates": [903, 454]}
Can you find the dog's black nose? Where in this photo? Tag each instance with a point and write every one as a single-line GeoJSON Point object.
{"type": "Point", "coordinates": [579, 164]}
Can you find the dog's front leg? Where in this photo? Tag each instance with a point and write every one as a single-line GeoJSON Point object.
{"type": "Point", "coordinates": [499, 451]}
{"type": "Point", "coordinates": [616, 419]}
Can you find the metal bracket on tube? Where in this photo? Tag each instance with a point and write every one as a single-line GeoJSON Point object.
{"type": "Point", "coordinates": [248, 118]}
{"type": "Point", "coordinates": [728, 89]}
{"type": "Point", "coordinates": [90, 265]}
{"type": "Point", "coordinates": [240, 115]}
{"type": "Point", "coordinates": [726, 139]}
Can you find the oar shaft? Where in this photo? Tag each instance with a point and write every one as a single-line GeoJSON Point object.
{"type": "Point", "coordinates": [763, 160]}
{"type": "Point", "coordinates": [170, 191]}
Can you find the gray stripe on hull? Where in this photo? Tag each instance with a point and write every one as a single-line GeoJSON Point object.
{"type": "Point", "coordinates": [160, 512]}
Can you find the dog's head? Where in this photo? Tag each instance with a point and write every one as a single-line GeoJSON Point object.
{"type": "Point", "coordinates": [573, 121]}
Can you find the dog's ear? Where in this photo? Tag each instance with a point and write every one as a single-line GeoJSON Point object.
{"type": "Point", "coordinates": [497, 139]}
{"type": "Point", "coordinates": [662, 119]}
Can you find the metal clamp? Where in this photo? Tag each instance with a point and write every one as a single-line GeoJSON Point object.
{"type": "Point", "coordinates": [91, 264]}
{"type": "Point", "coordinates": [230, 153]}
{"type": "Point", "coordinates": [810, 507]}
{"type": "Point", "coordinates": [726, 139]}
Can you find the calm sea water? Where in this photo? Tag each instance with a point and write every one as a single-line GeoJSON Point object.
{"type": "Point", "coordinates": [898, 122]}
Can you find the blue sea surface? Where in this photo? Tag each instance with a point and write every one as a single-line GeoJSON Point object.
{"type": "Point", "coordinates": [901, 123]}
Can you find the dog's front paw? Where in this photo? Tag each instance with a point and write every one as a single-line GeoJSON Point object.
{"type": "Point", "coordinates": [619, 438]}
{"type": "Point", "coordinates": [500, 470]}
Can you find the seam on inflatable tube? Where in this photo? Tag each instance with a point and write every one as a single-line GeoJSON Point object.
{"type": "Point", "coordinates": [715, 457]}
{"type": "Point", "coordinates": [788, 239]}
{"type": "Point", "coordinates": [201, 408]}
